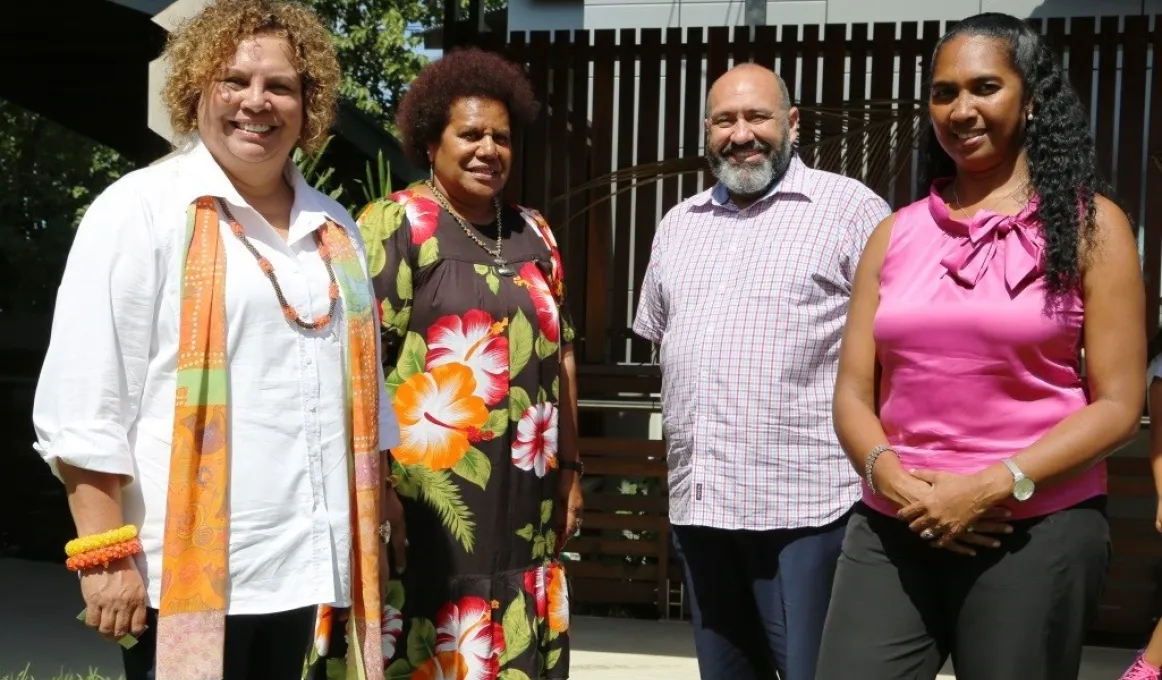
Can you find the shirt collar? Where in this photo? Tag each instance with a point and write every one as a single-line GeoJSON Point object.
{"type": "Point", "coordinates": [796, 181]}
{"type": "Point", "coordinates": [202, 176]}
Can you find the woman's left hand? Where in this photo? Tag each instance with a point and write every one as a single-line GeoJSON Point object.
{"type": "Point", "coordinates": [570, 506]}
{"type": "Point", "coordinates": [950, 507]}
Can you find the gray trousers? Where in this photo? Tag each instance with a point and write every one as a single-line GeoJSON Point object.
{"type": "Point", "coordinates": [900, 608]}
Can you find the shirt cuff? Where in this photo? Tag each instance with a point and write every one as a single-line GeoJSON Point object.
{"type": "Point", "coordinates": [93, 450]}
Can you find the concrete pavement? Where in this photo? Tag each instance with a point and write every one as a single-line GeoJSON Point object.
{"type": "Point", "coordinates": [39, 603]}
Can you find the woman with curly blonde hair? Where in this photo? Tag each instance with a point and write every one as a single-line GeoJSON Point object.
{"type": "Point", "coordinates": [212, 397]}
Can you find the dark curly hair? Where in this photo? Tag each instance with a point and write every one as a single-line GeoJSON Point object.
{"type": "Point", "coordinates": [1058, 146]}
{"type": "Point", "coordinates": [466, 72]}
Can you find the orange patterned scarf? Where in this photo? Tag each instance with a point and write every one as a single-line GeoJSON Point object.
{"type": "Point", "coordinates": [192, 618]}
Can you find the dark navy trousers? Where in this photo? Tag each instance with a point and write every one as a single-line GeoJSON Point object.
{"type": "Point", "coordinates": [758, 599]}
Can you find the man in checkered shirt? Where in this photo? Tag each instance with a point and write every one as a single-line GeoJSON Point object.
{"type": "Point", "coordinates": [746, 294]}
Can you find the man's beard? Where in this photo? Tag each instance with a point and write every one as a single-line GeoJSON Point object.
{"type": "Point", "coordinates": [751, 180]}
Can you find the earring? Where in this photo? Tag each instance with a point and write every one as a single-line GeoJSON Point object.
{"type": "Point", "coordinates": [1030, 116]}
{"type": "Point", "coordinates": [431, 171]}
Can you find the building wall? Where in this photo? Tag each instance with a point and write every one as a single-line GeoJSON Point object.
{"type": "Point", "coordinates": [527, 15]}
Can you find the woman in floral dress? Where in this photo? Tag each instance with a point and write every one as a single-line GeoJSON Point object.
{"type": "Point", "coordinates": [481, 374]}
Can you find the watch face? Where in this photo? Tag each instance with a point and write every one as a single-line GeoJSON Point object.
{"type": "Point", "coordinates": [1023, 489]}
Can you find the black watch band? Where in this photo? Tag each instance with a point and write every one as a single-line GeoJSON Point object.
{"type": "Point", "coordinates": [575, 465]}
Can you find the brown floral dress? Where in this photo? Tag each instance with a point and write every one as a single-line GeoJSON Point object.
{"type": "Point", "coordinates": [473, 362]}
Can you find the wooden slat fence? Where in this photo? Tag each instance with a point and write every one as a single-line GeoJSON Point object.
{"type": "Point", "coordinates": [620, 98]}
{"type": "Point", "coordinates": [615, 100]}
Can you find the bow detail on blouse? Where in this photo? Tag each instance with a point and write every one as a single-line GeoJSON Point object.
{"type": "Point", "coordinates": [991, 240]}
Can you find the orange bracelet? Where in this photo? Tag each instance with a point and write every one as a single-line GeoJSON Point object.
{"type": "Point", "coordinates": [101, 557]}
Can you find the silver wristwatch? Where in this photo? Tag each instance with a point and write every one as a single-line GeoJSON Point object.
{"type": "Point", "coordinates": [1023, 487]}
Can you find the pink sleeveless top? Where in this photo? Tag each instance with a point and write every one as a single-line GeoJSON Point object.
{"type": "Point", "coordinates": [975, 366]}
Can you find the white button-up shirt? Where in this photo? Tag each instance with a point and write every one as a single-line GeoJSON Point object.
{"type": "Point", "coordinates": [748, 307]}
{"type": "Point", "coordinates": [105, 400]}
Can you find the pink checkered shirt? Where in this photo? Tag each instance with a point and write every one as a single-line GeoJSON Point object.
{"type": "Point", "coordinates": [748, 308]}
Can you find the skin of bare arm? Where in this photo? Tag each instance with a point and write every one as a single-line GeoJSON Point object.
{"type": "Point", "coordinates": [114, 596]}
{"type": "Point", "coordinates": [1156, 444]}
{"type": "Point", "coordinates": [570, 494]}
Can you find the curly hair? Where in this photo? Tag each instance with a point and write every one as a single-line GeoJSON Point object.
{"type": "Point", "coordinates": [467, 72]}
{"type": "Point", "coordinates": [1058, 146]}
{"type": "Point", "coordinates": [201, 48]}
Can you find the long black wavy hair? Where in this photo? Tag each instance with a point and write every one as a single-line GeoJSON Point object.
{"type": "Point", "coordinates": [1058, 146]}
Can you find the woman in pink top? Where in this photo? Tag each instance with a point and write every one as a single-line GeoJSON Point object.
{"type": "Point", "coordinates": [982, 533]}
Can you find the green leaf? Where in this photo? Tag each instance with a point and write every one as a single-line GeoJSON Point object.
{"type": "Point", "coordinates": [403, 281]}
{"type": "Point", "coordinates": [409, 486]}
{"type": "Point", "coordinates": [539, 547]}
{"type": "Point", "coordinates": [421, 641]}
{"type": "Point", "coordinates": [546, 511]}
{"type": "Point", "coordinates": [474, 467]}
{"type": "Point", "coordinates": [412, 356]}
{"type": "Point", "coordinates": [518, 635]}
{"type": "Point", "coordinates": [512, 674]}
{"type": "Point", "coordinates": [440, 492]}
{"type": "Point", "coordinates": [553, 658]}
{"type": "Point", "coordinates": [497, 423]}
{"type": "Point", "coordinates": [520, 343]}
{"type": "Point", "coordinates": [545, 348]}
{"type": "Point", "coordinates": [402, 319]}
{"type": "Point", "coordinates": [557, 388]}
{"type": "Point", "coordinates": [429, 252]}
{"type": "Point", "coordinates": [336, 669]}
{"type": "Point", "coordinates": [553, 635]}
{"type": "Point", "coordinates": [493, 283]}
{"type": "Point", "coordinates": [481, 269]}
{"type": "Point", "coordinates": [542, 396]}
{"type": "Point", "coordinates": [388, 313]}
{"type": "Point", "coordinates": [526, 532]}
{"type": "Point", "coordinates": [550, 540]}
{"type": "Point", "coordinates": [518, 403]}
{"type": "Point", "coordinates": [401, 669]}
{"type": "Point", "coordinates": [392, 383]}
{"type": "Point", "coordinates": [394, 597]}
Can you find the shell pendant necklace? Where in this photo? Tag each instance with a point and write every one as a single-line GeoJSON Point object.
{"type": "Point", "coordinates": [502, 266]}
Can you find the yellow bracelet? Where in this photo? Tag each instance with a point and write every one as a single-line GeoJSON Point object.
{"type": "Point", "coordinates": [79, 546]}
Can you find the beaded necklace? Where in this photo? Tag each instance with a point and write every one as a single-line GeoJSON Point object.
{"type": "Point", "coordinates": [267, 268]}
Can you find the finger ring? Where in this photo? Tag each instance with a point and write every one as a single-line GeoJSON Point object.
{"type": "Point", "coordinates": [385, 532]}
{"type": "Point", "coordinates": [927, 534]}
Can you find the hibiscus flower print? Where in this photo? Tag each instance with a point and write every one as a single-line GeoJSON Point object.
{"type": "Point", "coordinates": [423, 215]}
{"type": "Point", "coordinates": [436, 412]}
{"type": "Point", "coordinates": [558, 598]}
{"type": "Point", "coordinates": [547, 314]}
{"type": "Point", "coordinates": [535, 447]}
{"type": "Point", "coordinates": [466, 629]}
{"type": "Point", "coordinates": [442, 666]}
{"type": "Point", "coordinates": [535, 586]}
{"type": "Point", "coordinates": [391, 627]}
{"type": "Point", "coordinates": [476, 341]}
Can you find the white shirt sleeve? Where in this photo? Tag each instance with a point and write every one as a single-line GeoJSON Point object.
{"type": "Point", "coordinates": [91, 382]}
{"type": "Point", "coordinates": [1154, 371]}
{"type": "Point", "coordinates": [652, 313]}
{"type": "Point", "coordinates": [388, 423]}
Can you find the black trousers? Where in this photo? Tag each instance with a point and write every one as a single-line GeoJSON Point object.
{"type": "Point", "coordinates": [258, 646]}
{"type": "Point", "coordinates": [1018, 612]}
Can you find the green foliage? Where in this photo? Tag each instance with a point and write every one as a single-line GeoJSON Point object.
{"type": "Point", "coordinates": [48, 176]}
{"type": "Point", "coordinates": [378, 54]}
{"type": "Point", "coordinates": [26, 675]}
{"type": "Point", "coordinates": [319, 178]}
